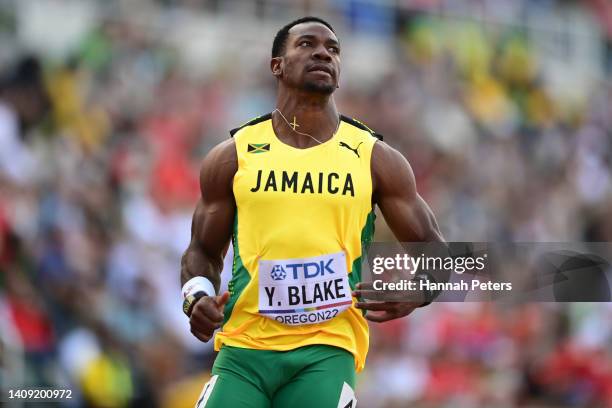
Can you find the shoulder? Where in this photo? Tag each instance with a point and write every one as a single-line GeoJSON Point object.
{"type": "Point", "coordinates": [383, 153]}
{"type": "Point", "coordinates": [358, 132]}
{"type": "Point", "coordinates": [365, 130]}
{"type": "Point", "coordinates": [253, 122]}
{"type": "Point", "coordinates": [221, 153]}
{"type": "Point", "coordinates": [390, 169]}
{"type": "Point", "coordinates": [220, 164]}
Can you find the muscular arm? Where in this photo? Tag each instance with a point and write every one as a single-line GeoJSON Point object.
{"type": "Point", "coordinates": [211, 226]}
{"type": "Point", "coordinates": [406, 213]}
{"type": "Point", "coordinates": [408, 216]}
{"type": "Point", "coordinates": [211, 230]}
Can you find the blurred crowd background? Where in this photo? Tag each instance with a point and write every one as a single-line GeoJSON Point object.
{"type": "Point", "coordinates": [504, 109]}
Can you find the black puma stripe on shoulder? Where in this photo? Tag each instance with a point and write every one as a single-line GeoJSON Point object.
{"type": "Point", "coordinates": [251, 122]}
{"type": "Point", "coordinates": [361, 126]}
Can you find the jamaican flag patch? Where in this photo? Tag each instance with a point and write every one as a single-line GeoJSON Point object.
{"type": "Point", "coordinates": [258, 147]}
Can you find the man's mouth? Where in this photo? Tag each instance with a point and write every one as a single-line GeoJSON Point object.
{"type": "Point", "coordinates": [321, 69]}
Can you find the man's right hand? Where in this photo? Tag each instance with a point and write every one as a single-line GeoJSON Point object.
{"type": "Point", "coordinates": [207, 316]}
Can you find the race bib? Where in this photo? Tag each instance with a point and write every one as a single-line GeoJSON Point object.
{"type": "Point", "coordinates": [304, 291]}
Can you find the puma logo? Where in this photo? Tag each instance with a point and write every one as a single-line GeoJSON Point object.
{"type": "Point", "coordinates": [355, 150]}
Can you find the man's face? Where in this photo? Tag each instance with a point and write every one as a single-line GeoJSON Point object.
{"type": "Point", "coordinates": [311, 60]}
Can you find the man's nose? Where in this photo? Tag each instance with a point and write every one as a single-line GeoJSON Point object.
{"type": "Point", "coordinates": [321, 53]}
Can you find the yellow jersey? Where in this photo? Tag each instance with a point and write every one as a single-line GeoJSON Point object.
{"type": "Point", "coordinates": [303, 219]}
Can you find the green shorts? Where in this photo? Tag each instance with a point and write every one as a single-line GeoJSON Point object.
{"type": "Point", "coordinates": [318, 376]}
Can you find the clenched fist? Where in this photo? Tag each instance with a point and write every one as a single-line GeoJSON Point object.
{"type": "Point", "coordinates": [207, 316]}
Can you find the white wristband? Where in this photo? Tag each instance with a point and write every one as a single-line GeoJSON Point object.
{"type": "Point", "coordinates": [197, 284]}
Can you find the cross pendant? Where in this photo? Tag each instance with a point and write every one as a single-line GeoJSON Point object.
{"type": "Point", "coordinates": [294, 124]}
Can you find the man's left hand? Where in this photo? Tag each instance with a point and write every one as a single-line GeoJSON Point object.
{"type": "Point", "coordinates": [384, 309]}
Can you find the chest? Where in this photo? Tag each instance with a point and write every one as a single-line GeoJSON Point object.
{"type": "Point", "coordinates": [329, 177]}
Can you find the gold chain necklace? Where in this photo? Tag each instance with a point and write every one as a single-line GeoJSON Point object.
{"type": "Point", "coordinates": [294, 125]}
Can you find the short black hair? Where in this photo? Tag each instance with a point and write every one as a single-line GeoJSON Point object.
{"type": "Point", "coordinates": [278, 46]}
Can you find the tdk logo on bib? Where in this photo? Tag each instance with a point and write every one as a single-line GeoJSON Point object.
{"type": "Point", "coordinates": [304, 291]}
{"type": "Point", "coordinates": [278, 273]}
{"type": "Point", "coordinates": [308, 270]}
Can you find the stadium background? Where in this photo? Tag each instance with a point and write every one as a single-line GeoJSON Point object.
{"type": "Point", "coordinates": [504, 109]}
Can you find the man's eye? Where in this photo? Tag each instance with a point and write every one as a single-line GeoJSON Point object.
{"type": "Point", "coordinates": [304, 43]}
{"type": "Point", "coordinates": [335, 50]}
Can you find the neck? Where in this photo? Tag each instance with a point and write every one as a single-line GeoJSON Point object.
{"type": "Point", "coordinates": [315, 115]}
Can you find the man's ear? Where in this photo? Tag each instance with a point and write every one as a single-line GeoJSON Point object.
{"type": "Point", "coordinates": [276, 66]}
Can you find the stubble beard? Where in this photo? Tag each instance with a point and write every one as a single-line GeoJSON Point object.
{"type": "Point", "coordinates": [325, 89]}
